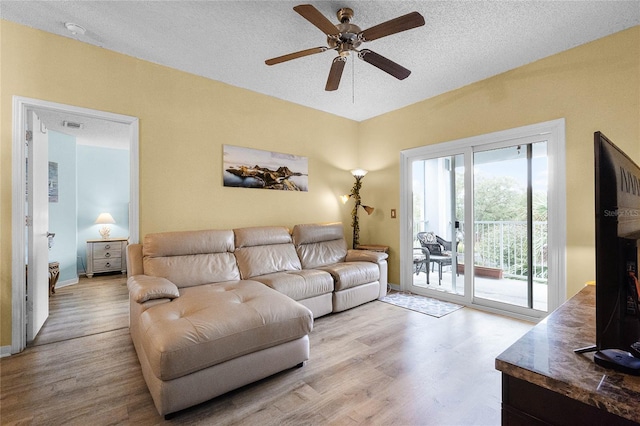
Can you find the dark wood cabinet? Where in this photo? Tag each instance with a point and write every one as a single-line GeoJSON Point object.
{"type": "Point", "coordinates": [544, 382]}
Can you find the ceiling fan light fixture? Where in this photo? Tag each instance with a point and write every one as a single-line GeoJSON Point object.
{"type": "Point", "coordinates": [346, 37]}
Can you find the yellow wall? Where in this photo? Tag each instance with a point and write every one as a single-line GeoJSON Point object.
{"type": "Point", "coordinates": [185, 120]}
{"type": "Point", "coordinates": [594, 87]}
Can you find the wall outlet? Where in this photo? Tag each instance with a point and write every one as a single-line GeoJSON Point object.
{"type": "Point", "coordinates": [393, 213]}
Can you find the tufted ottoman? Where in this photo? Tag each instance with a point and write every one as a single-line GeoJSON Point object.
{"type": "Point", "coordinates": [221, 332]}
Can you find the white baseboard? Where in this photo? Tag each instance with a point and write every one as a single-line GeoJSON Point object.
{"type": "Point", "coordinates": [395, 287]}
{"type": "Point", "coordinates": [65, 283]}
{"type": "Point", "coordinates": [5, 351]}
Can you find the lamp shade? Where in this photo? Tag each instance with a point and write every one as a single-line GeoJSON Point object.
{"type": "Point", "coordinates": [358, 172]}
{"type": "Point", "coordinates": [105, 218]}
{"type": "Point", "coordinates": [368, 209]}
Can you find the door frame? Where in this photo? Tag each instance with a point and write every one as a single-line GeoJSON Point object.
{"type": "Point", "coordinates": [555, 129]}
{"type": "Point", "coordinates": [430, 153]}
{"type": "Point", "coordinates": [18, 214]}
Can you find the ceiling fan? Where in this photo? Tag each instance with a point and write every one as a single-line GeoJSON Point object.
{"type": "Point", "coordinates": [346, 37]}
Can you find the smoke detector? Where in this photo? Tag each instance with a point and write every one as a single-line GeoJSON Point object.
{"type": "Point", "coordinates": [75, 28]}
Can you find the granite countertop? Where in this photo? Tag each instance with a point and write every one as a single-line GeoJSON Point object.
{"type": "Point", "coordinates": [545, 357]}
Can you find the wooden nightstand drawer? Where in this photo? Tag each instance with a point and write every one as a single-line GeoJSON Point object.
{"type": "Point", "coordinates": [104, 253]}
{"type": "Point", "coordinates": [107, 246]}
{"type": "Point", "coordinates": [107, 265]}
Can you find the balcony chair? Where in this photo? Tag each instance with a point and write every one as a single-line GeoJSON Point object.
{"type": "Point", "coordinates": [436, 251]}
{"type": "Point", "coordinates": [420, 261]}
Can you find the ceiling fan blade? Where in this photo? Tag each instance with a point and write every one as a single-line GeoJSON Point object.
{"type": "Point", "coordinates": [314, 16]}
{"type": "Point", "coordinates": [335, 74]}
{"type": "Point", "coordinates": [399, 24]}
{"type": "Point", "coordinates": [295, 55]}
{"type": "Point", "coordinates": [386, 65]}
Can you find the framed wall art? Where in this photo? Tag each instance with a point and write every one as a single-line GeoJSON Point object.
{"type": "Point", "coordinates": [255, 168]}
{"type": "Point", "coordinates": [53, 182]}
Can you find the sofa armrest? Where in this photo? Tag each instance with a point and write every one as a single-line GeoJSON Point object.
{"type": "Point", "coordinates": [134, 260]}
{"type": "Point", "coordinates": [365, 256]}
{"type": "Point", "coordinates": [143, 288]}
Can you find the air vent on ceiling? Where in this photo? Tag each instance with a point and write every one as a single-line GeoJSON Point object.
{"type": "Point", "coordinates": [72, 125]}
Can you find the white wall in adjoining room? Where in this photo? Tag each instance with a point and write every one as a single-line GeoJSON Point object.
{"type": "Point", "coordinates": [62, 209]}
{"type": "Point", "coordinates": [103, 186]}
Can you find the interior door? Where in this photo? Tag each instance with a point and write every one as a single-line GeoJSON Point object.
{"type": "Point", "coordinates": [37, 226]}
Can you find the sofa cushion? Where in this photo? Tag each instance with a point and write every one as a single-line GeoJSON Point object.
{"type": "Point", "coordinates": [254, 261]}
{"type": "Point", "coordinates": [186, 271]}
{"type": "Point", "coordinates": [299, 285]}
{"type": "Point", "coordinates": [190, 258]}
{"type": "Point", "coordinates": [261, 236]}
{"type": "Point", "coordinates": [352, 274]}
{"type": "Point", "coordinates": [143, 288]}
{"type": "Point", "coordinates": [319, 244]}
{"type": "Point", "coordinates": [365, 256]}
{"type": "Point", "coordinates": [309, 233]}
{"type": "Point", "coordinates": [264, 250]}
{"type": "Point", "coordinates": [188, 242]}
{"type": "Point", "coordinates": [213, 323]}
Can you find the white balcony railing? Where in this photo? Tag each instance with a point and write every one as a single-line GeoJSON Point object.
{"type": "Point", "coordinates": [503, 245]}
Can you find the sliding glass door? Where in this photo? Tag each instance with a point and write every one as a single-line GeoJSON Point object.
{"type": "Point", "coordinates": [510, 225]}
{"type": "Point", "coordinates": [478, 230]}
{"type": "Point", "coordinates": [438, 206]}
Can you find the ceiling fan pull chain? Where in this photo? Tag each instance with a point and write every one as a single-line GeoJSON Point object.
{"type": "Point", "coordinates": [353, 80]}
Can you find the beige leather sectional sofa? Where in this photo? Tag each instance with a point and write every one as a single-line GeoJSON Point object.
{"type": "Point", "coordinates": [214, 310]}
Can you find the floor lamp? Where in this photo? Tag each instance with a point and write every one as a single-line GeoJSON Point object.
{"type": "Point", "coordinates": [355, 193]}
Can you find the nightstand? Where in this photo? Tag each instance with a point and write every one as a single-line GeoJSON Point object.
{"type": "Point", "coordinates": [106, 255]}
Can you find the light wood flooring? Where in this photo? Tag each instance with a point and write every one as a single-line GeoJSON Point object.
{"type": "Point", "coordinates": [376, 364]}
{"type": "Point", "coordinates": [92, 306]}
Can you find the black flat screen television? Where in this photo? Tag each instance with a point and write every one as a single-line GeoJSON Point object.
{"type": "Point", "coordinates": [617, 220]}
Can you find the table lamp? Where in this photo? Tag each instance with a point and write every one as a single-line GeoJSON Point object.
{"type": "Point", "coordinates": [105, 219]}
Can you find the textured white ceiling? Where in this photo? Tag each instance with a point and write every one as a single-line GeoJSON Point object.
{"type": "Point", "coordinates": [461, 43]}
{"type": "Point", "coordinates": [94, 131]}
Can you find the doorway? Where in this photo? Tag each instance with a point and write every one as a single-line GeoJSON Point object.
{"type": "Point", "coordinates": [438, 213]}
{"type": "Point", "coordinates": [22, 108]}
{"type": "Point", "coordinates": [487, 222]}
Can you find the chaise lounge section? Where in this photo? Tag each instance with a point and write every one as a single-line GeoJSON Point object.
{"type": "Point", "coordinates": [199, 331]}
